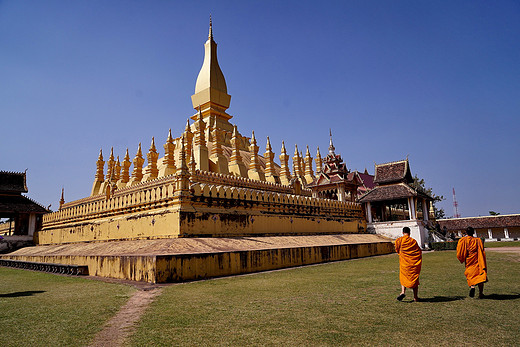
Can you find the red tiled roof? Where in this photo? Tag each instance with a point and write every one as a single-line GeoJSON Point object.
{"type": "Point", "coordinates": [393, 172]}
{"type": "Point", "coordinates": [501, 221]}
{"type": "Point", "coordinates": [367, 180]}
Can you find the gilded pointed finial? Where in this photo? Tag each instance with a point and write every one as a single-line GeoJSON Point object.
{"type": "Point", "coordinates": [268, 145]}
{"type": "Point", "coordinates": [210, 36]}
{"type": "Point", "coordinates": [253, 137]}
{"type": "Point", "coordinates": [187, 129]}
{"type": "Point", "coordinates": [170, 138]}
{"type": "Point", "coordinates": [331, 145]}
{"type": "Point", "coordinates": [127, 157]}
{"type": "Point", "coordinates": [192, 164]}
{"type": "Point", "coordinates": [100, 157]}
{"type": "Point", "coordinates": [183, 155]}
{"type": "Point", "coordinates": [62, 200]}
{"type": "Point", "coordinates": [139, 152]}
{"type": "Point", "coordinates": [152, 146]}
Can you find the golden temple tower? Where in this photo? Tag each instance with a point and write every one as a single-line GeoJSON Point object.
{"type": "Point", "coordinates": [211, 97]}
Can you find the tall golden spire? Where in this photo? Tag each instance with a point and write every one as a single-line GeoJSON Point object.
{"type": "Point", "coordinates": [151, 171]}
{"type": "Point", "coordinates": [137, 174]}
{"type": "Point", "coordinates": [270, 173]}
{"type": "Point", "coordinates": [125, 171]}
{"type": "Point", "coordinates": [285, 175]}
{"type": "Point", "coordinates": [99, 178]}
{"type": "Point", "coordinates": [168, 163]}
{"type": "Point", "coordinates": [318, 161]}
{"type": "Point", "coordinates": [309, 174]}
{"type": "Point", "coordinates": [255, 172]}
{"type": "Point", "coordinates": [211, 89]}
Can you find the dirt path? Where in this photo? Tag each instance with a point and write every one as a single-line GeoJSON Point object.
{"type": "Point", "coordinates": [122, 324]}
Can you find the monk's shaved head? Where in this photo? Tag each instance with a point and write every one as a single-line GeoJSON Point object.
{"type": "Point", "coordinates": [406, 230]}
{"type": "Point", "coordinates": [470, 231]}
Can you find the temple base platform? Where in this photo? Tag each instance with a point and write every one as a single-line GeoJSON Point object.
{"type": "Point", "coordinates": [187, 259]}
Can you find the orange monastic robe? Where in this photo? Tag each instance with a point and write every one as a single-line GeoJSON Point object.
{"type": "Point", "coordinates": [410, 261]}
{"type": "Point", "coordinates": [471, 250]}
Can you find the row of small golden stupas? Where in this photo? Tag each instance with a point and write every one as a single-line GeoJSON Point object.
{"type": "Point", "coordinates": [211, 144]}
{"type": "Point", "coordinates": [206, 148]}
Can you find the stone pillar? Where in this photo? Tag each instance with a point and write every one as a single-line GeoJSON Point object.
{"type": "Point", "coordinates": [32, 224]}
{"type": "Point", "coordinates": [425, 210]}
{"type": "Point", "coordinates": [341, 193]}
{"type": "Point", "coordinates": [369, 212]}
{"type": "Point", "coordinates": [490, 234]}
{"type": "Point", "coordinates": [506, 233]}
{"type": "Point", "coordinates": [410, 208]}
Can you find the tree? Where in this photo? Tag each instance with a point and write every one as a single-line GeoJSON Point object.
{"type": "Point", "coordinates": [493, 213]}
{"type": "Point", "coordinates": [419, 185]}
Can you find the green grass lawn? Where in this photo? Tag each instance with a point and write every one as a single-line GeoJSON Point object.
{"type": "Point", "coordinates": [494, 244]}
{"type": "Point", "coordinates": [40, 309]}
{"type": "Point", "coordinates": [344, 303]}
{"type": "Point", "coordinates": [350, 302]}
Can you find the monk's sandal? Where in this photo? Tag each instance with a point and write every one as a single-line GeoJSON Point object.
{"type": "Point", "coordinates": [400, 297]}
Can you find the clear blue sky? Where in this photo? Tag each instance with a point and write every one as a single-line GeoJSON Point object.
{"type": "Point", "coordinates": [436, 80]}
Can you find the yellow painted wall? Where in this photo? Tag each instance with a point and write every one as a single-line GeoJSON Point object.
{"type": "Point", "coordinates": [150, 224]}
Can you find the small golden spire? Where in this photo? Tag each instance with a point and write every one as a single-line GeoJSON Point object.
{"type": "Point", "coordinates": [318, 161]}
{"type": "Point", "coordinates": [62, 200]}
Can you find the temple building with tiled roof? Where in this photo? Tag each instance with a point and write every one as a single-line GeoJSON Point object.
{"type": "Point", "coordinates": [333, 180]}
{"type": "Point", "coordinates": [395, 199]}
{"type": "Point", "coordinates": [492, 228]}
{"type": "Point", "coordinates": [24, 216]}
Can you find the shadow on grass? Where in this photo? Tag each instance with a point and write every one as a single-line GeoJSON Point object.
{"type": "Point", "coordinates": [19, 294]}
{"type": "Point", "coordinates": [502, 297]}
{"type": "Point", "coordinates": [438, 299]}
{"type": "Point", "coordinates": [442, 298]}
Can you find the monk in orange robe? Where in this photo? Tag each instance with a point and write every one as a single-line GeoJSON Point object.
{"type": "Point", "coordinates": [471, 251]}
{"type": "Point", "coordinates": [410, 262]}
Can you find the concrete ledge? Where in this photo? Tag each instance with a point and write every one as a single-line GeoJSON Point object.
{"type": "Point", "coordinates": [185, 267]}
{"type": "Point", "coordinates": [180, 260]}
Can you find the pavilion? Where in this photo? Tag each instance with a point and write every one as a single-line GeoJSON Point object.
{"type": "Point", "coordinates": [395, 202]}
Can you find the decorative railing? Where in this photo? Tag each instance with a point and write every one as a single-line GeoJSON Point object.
{"type": "Point", "coordinates": [159, 193]}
